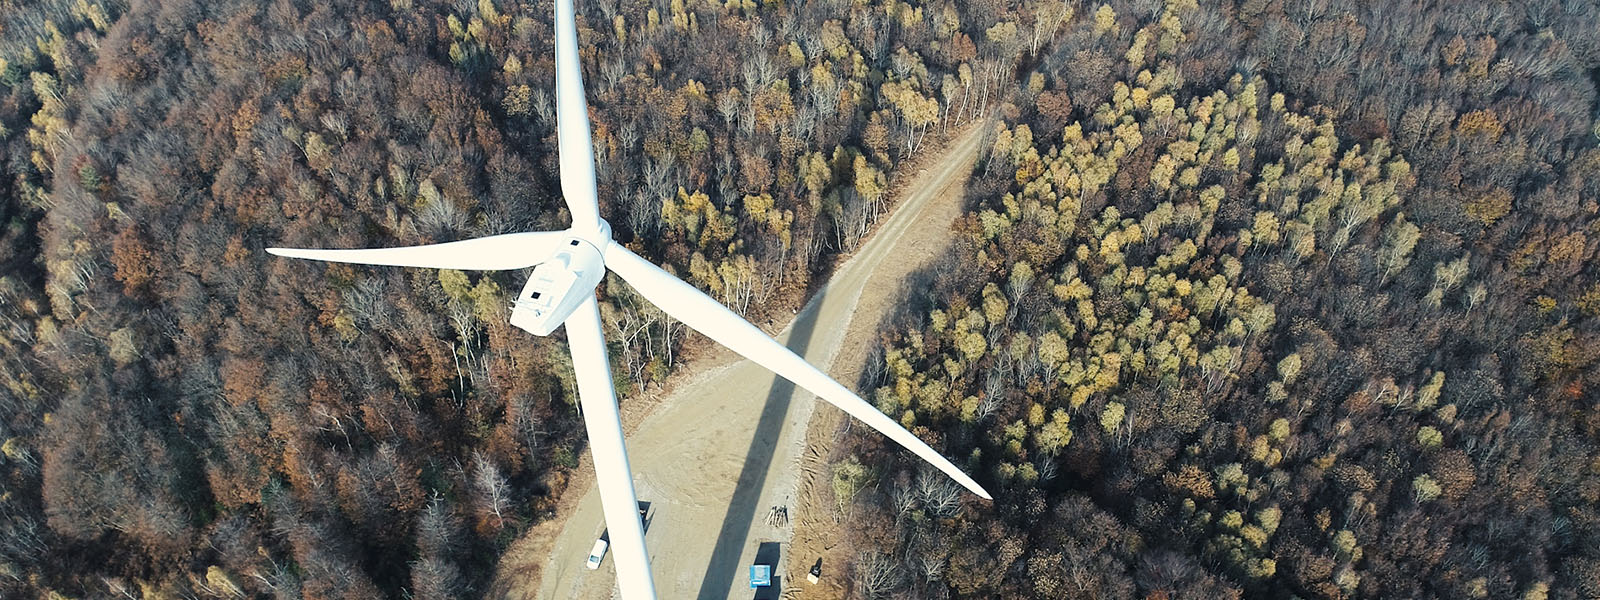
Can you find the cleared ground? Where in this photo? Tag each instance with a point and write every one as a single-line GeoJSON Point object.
{"type": "Point", "coordinates": [724, 447]}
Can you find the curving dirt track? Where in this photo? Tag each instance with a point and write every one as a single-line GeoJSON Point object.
{"type": "Point", "coordinates": [725, 445]}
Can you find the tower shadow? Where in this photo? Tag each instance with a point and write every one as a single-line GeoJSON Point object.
{"type": "Point", "coordinates": [724, 565]}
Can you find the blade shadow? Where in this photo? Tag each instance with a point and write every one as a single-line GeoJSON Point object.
{"type": "Point", "coordinates": [742, 507]}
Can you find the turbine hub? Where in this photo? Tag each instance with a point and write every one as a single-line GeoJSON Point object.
{"type": "Point", "coordinates": [598, 235]}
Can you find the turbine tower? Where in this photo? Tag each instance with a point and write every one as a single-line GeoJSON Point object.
{"type": "Point", "coordinates": [567, 266]}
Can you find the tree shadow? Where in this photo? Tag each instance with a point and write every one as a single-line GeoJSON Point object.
{"type": "Point", "coordinates": [919, 293]}
{"type": "Point", "coordinates": [724, 565]}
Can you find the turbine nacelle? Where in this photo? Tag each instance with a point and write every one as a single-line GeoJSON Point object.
{"type": "Point", "coordinates": [557, 286]}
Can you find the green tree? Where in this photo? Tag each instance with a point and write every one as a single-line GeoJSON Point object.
{"type": "Point", "coordinates": [1111, 417]}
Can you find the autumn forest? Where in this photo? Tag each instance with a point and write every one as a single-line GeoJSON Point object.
{"type": "Point", "coordinates": [1251, 298]}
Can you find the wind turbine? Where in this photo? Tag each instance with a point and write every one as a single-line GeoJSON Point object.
{"type": "Point", "coordinates": [567, 265]}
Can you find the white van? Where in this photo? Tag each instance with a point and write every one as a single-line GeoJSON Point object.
{"type": "Point", "coordinates": [596, 554]}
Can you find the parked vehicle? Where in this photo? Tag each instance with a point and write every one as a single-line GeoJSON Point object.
{"type": "Point", "coordinates": [764, 576]}
{"type": "Point", "coordinates": [760, 576]}
{"type": "Point", "coordinates": [597, 554]}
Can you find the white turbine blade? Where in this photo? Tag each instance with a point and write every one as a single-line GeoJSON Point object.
{"type": "Point", "coordinates": [572, 125]}
{"type": "Point", "coordinates": [493, 253]}
{"type": "Point", "coordinates": [611, 472]}
{"type": "Point", "coordinates": [709, 317]}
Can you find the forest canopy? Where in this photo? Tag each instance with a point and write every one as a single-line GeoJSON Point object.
{"type": "Point", "coordinates": [1277, 298]}
{"type": "Point", "coordinates": [183, 415]}
{"type": "Point", "coordinates": [1282, 299]}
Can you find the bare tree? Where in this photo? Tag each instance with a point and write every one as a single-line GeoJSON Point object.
{"type": "Point", "coordinates": [436, 527]}
{"type": "Point", "coordinates": [613, 72]}
{"type": "Point", "coordinates": [1048, 19]}
{"type": "Point", "coordinates": [988, 405]}
{"type": "Point", "coordinates": [366, 301]}
{"type": "Point", "coordinates": [877, 575]}
{"type": "Point", "coordinates": [805, 119]}
{"type": "Point", "coordinates": [903, 497]}
{"type": "Point", "coordinates": [760, 37]}
{"type": "Point", "coordinates": [1048, 468]}
{"type": "Point", "coordinates": [492, 486]}
{"type": "Point", "coordinates": [765, 68]}
{"type": "Point", "coordinates": [810, 40]}
{"type": "Point", "coordinates": [658, 175]}
{"type": "Point", "coordinates": [542, 106]}
{"type": "Point", "coordinates": [747, 120]}
{"type": "Point", "coordinates": [643, 210]}
{"type": "Point", "coordinates": [433, 578]}
{"type": "Point", "coordinates": [938, 494]}
{"type": "Point", "coordinates": [629, 135]}
{"type": "Point", "coordinates": [728, 107]}
{"type": "Point", "coordinates": [994, 382]}
{"type": "Point", "coordinates": [1027, 367]}
{"type": "Point", "coordinates": [752, 78]}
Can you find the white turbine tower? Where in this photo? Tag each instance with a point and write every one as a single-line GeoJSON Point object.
{"type": "Point", "coordinates": [567, 267]}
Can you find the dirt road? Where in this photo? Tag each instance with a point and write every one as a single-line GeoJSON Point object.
{"type": "Point", "coordinates": [723, 448]}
